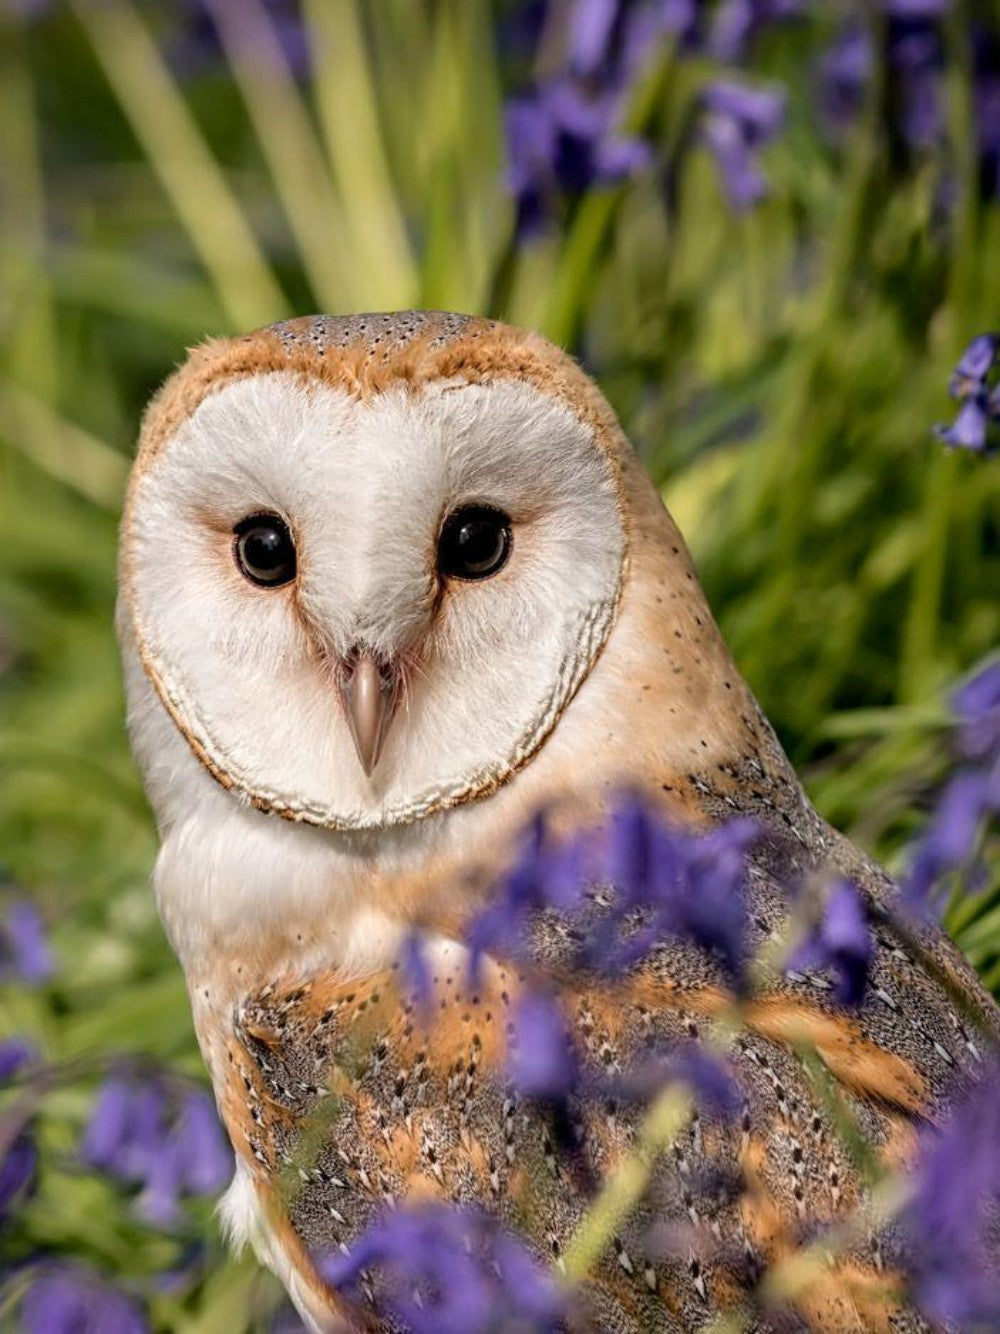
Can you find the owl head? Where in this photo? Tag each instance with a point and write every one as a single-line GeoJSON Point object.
{"type": "Point", "coordinates": [368, 562]}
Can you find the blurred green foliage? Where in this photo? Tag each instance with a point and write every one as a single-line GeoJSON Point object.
{"type": "Point", "coordinates": [780, 372]}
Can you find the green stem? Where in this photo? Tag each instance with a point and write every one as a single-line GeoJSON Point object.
{"type": "Point", "coordinates": [62, 449]}
{"type": "Point", "coordinates": [591, 227]}
{"type": "Point", "coordinates": [180, 157]}
{"type": "Point", "coordinates": [624, 1188]}
{"type": "Point", "coordinates": [345, 97]}
{"type": "Point", "coordinates": [32, 353]}
{"type": "Point", "coordinates": [291, 149]}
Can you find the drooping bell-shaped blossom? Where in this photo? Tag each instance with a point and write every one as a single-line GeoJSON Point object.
{"type": "Point", "coordinates": [443, 1269]}
{"type": "Point", "coordinates": [165, 1139]}
{"type": "Point", "coordinates": [71, 1299]}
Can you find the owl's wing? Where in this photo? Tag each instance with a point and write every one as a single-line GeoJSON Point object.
{"type": "Point", "coordinates": [345, 1096]}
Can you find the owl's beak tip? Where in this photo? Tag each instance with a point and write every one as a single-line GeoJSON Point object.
{"type": "Point", "coordinates": [369, 691]}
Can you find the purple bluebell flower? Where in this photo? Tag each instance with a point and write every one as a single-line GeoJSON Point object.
{"type": "Point", "coordinates": [735, 23]}
{"type": "Point", "coordinates": [546, 874]}
{"type": "Point", "coordinates": [915, 60]}
{"type": "Point", "coordinates": [610, 40]}
{"type": "Point", "coordinates": [972, 386]}
{"type": "Point", "coordinates": [667, 884]}
{"type": "Point", "coordinates": [161, 1175]}
{"type": "Point", "coordinates": [684, 886]}
{"type": "Point", "coordinates": [591, 26]}
{"type": "Point", "coordinates": [165, 1140]}
{"type": "Point", "coordinates": [542, 1061]}
{"type": "Point", "coordinates": [207, 1161]}
{"type": "Point", "coordinates": [839, 941]}
{"type": "Point", "coordinates": [916, 9]}
{"type": "Point", "coordinates": [977, 706]}
{"type": "Point", "coordinates": [561, 141]}
{"type": "Point", "coordinates": [950, 843]}
{"type": "Point", "coordinates": [449, 1270]}
{"type": "Point", "coordinates": [709, 1078]}
{"type": "Point", "coordinates": [18, 1168]}
{"type": "Point", "coordinates": [949, 1250]}
{"type": "Point", "coordinates": [970, 428]}
{"type": "Point", "coordinates": [738, 121]}
{"type": "Point", "coordinates": [24, 950]}
{"type": "Point", "coordinates": [15, 1054]}
{"type": "Point", "coordinates": [972, 373]}
{"type": "Point", "coordinates": [844, 72]}
{"type": "Point", "coordinates": [69, 1299]}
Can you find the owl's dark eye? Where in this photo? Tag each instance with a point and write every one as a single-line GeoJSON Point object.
{"type": "Point", "coordinates": [264, 550]}
{"type": "Point", "coordinates": [474, 543]}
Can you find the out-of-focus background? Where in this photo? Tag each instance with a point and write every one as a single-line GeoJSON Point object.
{"type": "Point", "coordinates": [768, 227]}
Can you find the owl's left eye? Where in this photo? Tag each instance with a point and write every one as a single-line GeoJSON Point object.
{"type": "Point", "coordinates": [264, 550]}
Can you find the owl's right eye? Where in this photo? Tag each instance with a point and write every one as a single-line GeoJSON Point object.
{"type": "Point", "coordinates": [264, 550]}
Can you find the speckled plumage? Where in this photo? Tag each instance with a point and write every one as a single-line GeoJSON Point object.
{"type": "Point", "coordinates": [340, 1094]}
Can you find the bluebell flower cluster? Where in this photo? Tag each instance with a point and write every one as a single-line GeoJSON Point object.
{"type": "Point", "coordinates": [971, 796]}
{"type": "Point", "coordinates": [666, 884]}
{"type": "Point", "coordinates": [449, 1270]}
{"type": "Point", "coordinates": [975, 387]}
{"type": "Point", "coordinates": [950, 1223]}
{"type": "Point", "coordinates": [565, 134]}
{"type": "Point", "coordinates": [166, 1139]}
{"type": "Point", "coordinates": [561, 140]}
{"type": "Point", "coordinates": [914, 54]}
{"type": "Point", "coordinates": [70, 1299]}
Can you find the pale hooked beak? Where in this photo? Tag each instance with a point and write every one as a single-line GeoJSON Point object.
{"type": "Point", "coordinates": [369, 691]}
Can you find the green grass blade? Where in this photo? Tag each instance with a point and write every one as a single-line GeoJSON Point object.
{"type": "Point", "coordinates": [178, 154]}
{"type": "Point", "coordinates": [288, 140]}
{"type": "Point", "coordinates": [345, 96]}
{"type": "Point", "coordinates": [65, 451]}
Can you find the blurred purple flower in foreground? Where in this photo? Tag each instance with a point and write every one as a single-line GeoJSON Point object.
{"type": "Point", "coordinates": [68, 1299]}
{"type": "Point", "coordinates": [19, 1160]}
{"type": "Point", "coordinates": [738, 122]}
{"type": "Point", "coordinates": [708, 1077]}
{"type": "Point", "coordinates": [972, 793]}
{"type": "Point", "coordinates": [976, 389]}
{"type": "Point", "coordinates": [24, 950]}
{"type": "Point", "coordinates": [839, 941]}
{"type": "Point", "coordinates": [450, 1270]}
{"type": "Point", "coordinates": [977, 706]}
{"type": "Point", "coordinates": [17, 1171]}
{"type": "Point", "coordinates": [15, 1054]}
{"type": "Point", "coordinates": [664, 884]}
{"type": "Point", "coordinates": [167, 1141]}
{"type": "Point", "coordinates": [949, 1246]}
{"type": "Point", "coordinates": [542, 1062]}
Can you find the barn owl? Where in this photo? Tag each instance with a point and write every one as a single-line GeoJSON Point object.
{"type": "Point", "coordinates": [390, 584]}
